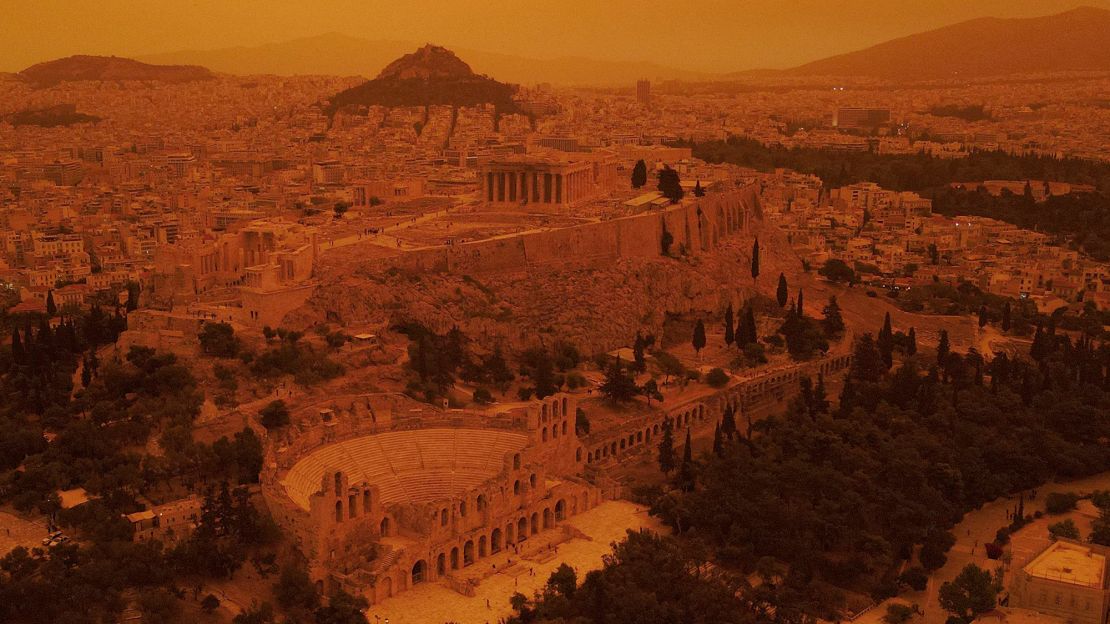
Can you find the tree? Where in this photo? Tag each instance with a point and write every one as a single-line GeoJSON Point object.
{"type": "Point", "coordinates": [685, 479]}
{"type": "Point", "coordinates": [833, 322]}
{"type": "Point", "coordinates": [1066, 529]}
{"type": "Point", "coordinates": [911, 342]}
{"type": "Point", "coordinates": [782, 293]}
{"type": "Point", "coordinates": [973, 592]}
{"type": "Point", "coordinates": [341, 209]}
{"type": "Point", "coordinates": [1100, 527]}
{"type": "Point", "coordinates": [638, 361]}
{"type": "Point", "coordinates": [581, 422]}
{"type": "Point", "coordinates": [210, 603]}
{"type": "Point", "coordinates": [256, 614]}
{"type": "Point", "coordinates": [51, 307]}
{"type": "Point", "coordinates": [618, 385]}
{"type": "Point", "coordinates": [755, 259]}
{"type": "Point", "coordinates": [665, 241]}
{"type": "Point", "coordinates": [563, 581]}
{"type": "Point", "coordinates": [698, 190]}
{"type": "Point", "coordinates": [699, 337]}
{"type": "Point", "coordinates": [670, 185]}
{"type": "Point", "coordinates": [897, 613]}
{"type": "Point", "coordinates": [218, 339]}
{"type": "Point", "coordinates": [666, 447]}
{"type": "Point", "coordinates": [718, 441]}
{"type": "Point", "coordinates": [943, 348]}
{"type": "Point", "coordinates": [747, 332]}
{"type": "Point", "coordinates": [717, 378]}
{"type": "Point", "coordinates": [18, 354]}
{"type": "Point", "coordinates": [982, 316]}
{"type": "Point", "coordinates": [836, 270]}
{"type": "Point", "coordinates": [885, 343]}
{"type": "Point", "coordinates": [274, 415]}
{"type": "Point", "coordinates": [1006, 320]}
{"type": "Point", "coordinates": [651, 391]}
{"type": "Point", "coordinates": [867, 361]}
{"type": "Point", "coordinates": [730, 334]}
{"type": "Point", "coordinates": [639, 174]}
{"type": "Point", "coordinates": [295, 590]}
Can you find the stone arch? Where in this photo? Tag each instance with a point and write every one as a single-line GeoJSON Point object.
{"type": "Point", "coordinates": [385, 588]}
{"type": "Point", "coordinates": [554, 431]}
{"type": "Point", "coordinates": [443, 517]}
{"type": "Point", "coordinates": [589, 458]}
{"type": "Point", "coordinates": [565, 414]}
{"type": "Point", "coordinates": [509, 533]}
{"type": "Point", "coordinates": [534, 524]}
{"type": "Point", "coordinates": [578, 454]}
{"type": "Point", "coordinates": [455, 558]}
{"type": "Point", "coordinates": [441, 564]}
{"type": "Point", "coordinates": [495, 541]}
{"type": "Point", "coordinates": [462, 508]}
{"type": "Point", "coordinates": [613, 448]}
{"type": "Point", "coordinates": [548, 518]}
{"type": "Point", "coordinates": [366, 506]}
{"type": "Point", "coordinates": [352, 505]}
{"type": "Point", "coordinates": [468, 552]}
{"type": "Point", "coordinates": [522, 530]}
{"type": "Point", "coordinates": [482, 550]}
{"type": "Point", "coordinates": [543, 434]}
{"type": "Point", "coordinates": [481, 502]}
{"type": "Point", "coordinates": [384, 528]}
{"type": "Point", "coordinates": [555, 408]}
{"type": "Point", "coordinates": [516, 461]}
{"type": "Point", "coordinates": [543, 413]}
{"type": "Point", "coordinates": [339, 511]}
{"type": "Point", "coordinates": [419, 572]}
{"type": "Point", "coordinates": [516, 487]}
{"type": "Point", "coordinates": [532, 480]}
{"type": "Point", "coordinates": [338, 482]}
{"type": "Point", "coordinates": [564, 432]}
{"type": "Point", "coordinates": [622, 444]}
{"type": "Point", "coordinates": [560, 510]}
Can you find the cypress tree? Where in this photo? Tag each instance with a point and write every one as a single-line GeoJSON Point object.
{"type": "Point", "coordinates": [982, 316]}
{"type": "Point", "coordinates": [698, 190]}
{"type": "Point", "coordinates": [728, 423]}
{"type": "Point", "coordinates": [699, 337]}
{"type": "Point", "coordinates": [782, 293]}
{"type": "Point", "coordinates": [18, 354]}
{"type": "Point", "coordinates": [755, 259]}
{"type": "Point", "coordinates": [730, 334]}
{"type": "Point", "coordinates": [666, 447]}
{"type": "Point", "coordinates": [1006, 321]}
{"type": "Point", "coordinates": [911, 342]}
{"type": "Point", "coordinates": [801, 310]}
{"type": "Point", "coordinates": [718, 442]}
{"type": "Point", "coordinates": [886, 342]}
{"type": "Point", "coordinates": [686, 470]}
{"type": "Point", "coordinates": [943, 348]}
{"type": "Point", "coordinates": [833, 323]}
{"type": "Point", "coordinates": [51, 307]}
{"type": "Point", "coordinates": [820, 396]}
{"type": "Point", "coordinates": [639, 174]}
{"type": "Point", "coordinates": [638, 353]}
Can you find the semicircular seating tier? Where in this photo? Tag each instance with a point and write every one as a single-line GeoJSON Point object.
{"type": "Point", "coordinates": [414, 465]}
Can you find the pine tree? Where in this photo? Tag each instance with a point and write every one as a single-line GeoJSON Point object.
{"type": "Point", "coordinates": [911, 342]}
{"type": "Point", "coordinates": [686, 470]}
{"type": "Point", "coordinates": [782, 293]}
{"type": "Point", "coordinates": [51, 307]}
{"type": "Point", "coordinates": [833, 323]}
{"type": "Point", "coordinates": [886, 342]}
{"type": "Point", "coordinates": [755, 259]}
{"type": "Point", "coordinates": [943, 348]}
{"type": "Point", "coordinates": [699, 337]}
{"type": "Point", "coordinates": [666, 447]}
{"type": "Point", "coordinates": [639, 174]}
{"type": "Point", "coordinates": [730, 334]}
{"type": "Point", "coordinates": [1006, 321]}
{"type": "Point", "coordinates": [670, 185]}
{"type": "Point", "coordinates": [618, 385]}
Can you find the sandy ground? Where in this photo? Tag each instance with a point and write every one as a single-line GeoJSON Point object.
{"type": "Point", "coordinates": [433, 603]}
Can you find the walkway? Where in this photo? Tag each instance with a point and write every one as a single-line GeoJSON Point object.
{"type": "Point", "coordinates": [433, 603]}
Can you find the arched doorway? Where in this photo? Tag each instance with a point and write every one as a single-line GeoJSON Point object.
{"type": "Point", "coordinates": [495, 541]}
{"type": "Point", "coordinates": [419, 569]}
{"type": "Point", "coordinates": [441, 564]}
{"type": "Point", "coordinates": [560, 511]}
{"type": "Point", "coordinates": [383, 528]}
{"type": "Point", "coordinates": [535, 523]}
{"type": "Point", "coordinates": [455, 558]}
{"type": "Point", "coordinates": [508, 533]}
{"type": "Point", "coordinates": [385, 588]}
{"type": "Point", "coordinates": [522, 530]}
{"type": "Point", "coordinates": [547, 518]}
{"type": "Point", "coordinates": [482, 552]}
{"type": "Point", "coordinates": [468, 553]}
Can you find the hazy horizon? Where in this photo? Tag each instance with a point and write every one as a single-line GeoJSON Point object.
{"type": "Point", "coordinates": [704, 35]}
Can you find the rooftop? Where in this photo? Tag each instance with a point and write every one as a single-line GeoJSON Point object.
{"type": "Point", "coordinates": [1066, 562]}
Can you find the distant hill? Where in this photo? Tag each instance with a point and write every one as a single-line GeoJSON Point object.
{"type": "Point", "coordinates": [342, 55]}
{"type": "Point", "coordinates": [83, 67]}
{"type": "Point", "coordinates": [1074, 40]}
{"type": "Point", "coordinates": [431, 75]}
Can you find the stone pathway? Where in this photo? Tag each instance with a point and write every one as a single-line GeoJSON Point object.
{"type": "Point", "coordinates": [433, 603]}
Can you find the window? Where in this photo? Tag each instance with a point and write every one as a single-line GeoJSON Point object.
{"type": "Point", "coordinates": [516, 487]}
{"type": "Point", "coordinates": [532, 480]}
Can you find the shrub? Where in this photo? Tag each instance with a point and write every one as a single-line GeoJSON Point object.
{"type": "Point", "coordinates": [717, 378]}
{"type": "Point", "coordinates": [916, 578]}
{"type": "Point", "coordinates": [482, 396]}
{"type": "Point", "coordinates": [1066, 529]}
{"type": "Point", "coordinates": [1060, 502]}
{"type": "Point", "coordinates": [274, 415]}
{"type": "Point", "coordinates": [994, 551]}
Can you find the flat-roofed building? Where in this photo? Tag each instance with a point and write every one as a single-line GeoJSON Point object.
{"type": "Point", "coordinates": [1067, 579]}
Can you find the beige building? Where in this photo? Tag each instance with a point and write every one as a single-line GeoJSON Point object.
{"type": "Point", "coordinates": [1066, 580]}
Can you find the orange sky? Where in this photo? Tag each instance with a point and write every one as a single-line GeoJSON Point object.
{"type": "Point", "coordinates": [709, 35]}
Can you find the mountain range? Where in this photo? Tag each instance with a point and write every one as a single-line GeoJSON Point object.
{"type": "Point", "coordinates": [1075, 40]}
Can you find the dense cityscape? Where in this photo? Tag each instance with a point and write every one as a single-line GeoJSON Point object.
{"type": "Point", "coordinates": [818, 344]}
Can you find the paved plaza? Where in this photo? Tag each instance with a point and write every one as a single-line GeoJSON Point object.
{"type": "Point", "coordinates": [435, 603]}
